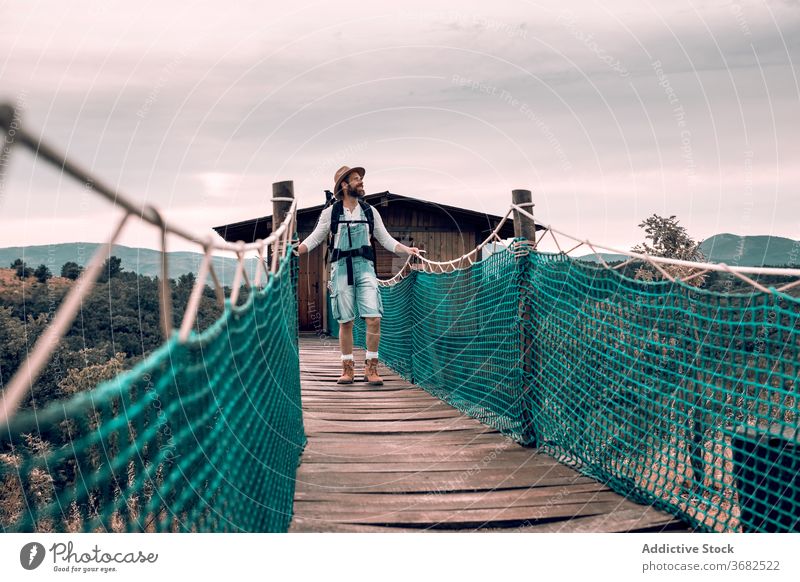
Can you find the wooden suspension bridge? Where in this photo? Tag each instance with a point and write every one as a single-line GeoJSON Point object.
{"type": "Point", "coordinates": [394, 458]}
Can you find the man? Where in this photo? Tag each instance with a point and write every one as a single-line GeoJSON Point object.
{"type": "Point", "coordinates": [353, 279]}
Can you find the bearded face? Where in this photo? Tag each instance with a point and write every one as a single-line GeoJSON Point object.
{"type": "Point", "coordinates": [355, 185]}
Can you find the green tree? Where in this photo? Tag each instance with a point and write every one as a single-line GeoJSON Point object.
{"type": "Point", "coordinates": [111, 268]}
{"type": "Point", "coordinates": [668, 239]}
{"type": "Point", "coordinates": [186, 282]}
{"type": "Point", "coordinates": [71, 270]}
{"type": "Point", "coordinates": [17, 335]}
{"type": "Point", "coordinates": [23, 270]}
{"type": "Point", "coordinates": [42, 273]}
{"type": "Point", "coordinates": [89, 376]}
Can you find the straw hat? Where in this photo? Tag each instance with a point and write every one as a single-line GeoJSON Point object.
{"type": "Point", "coordinates": [342, 173]}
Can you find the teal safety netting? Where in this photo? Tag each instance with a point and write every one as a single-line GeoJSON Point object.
{"type": "Point", "coordinates": [675, 396]}
{"type": "Point", "coordinates": [457, 335]}
{"type": "Point", "coordinates": [396, 347]}
{"type": "Point", "coordinates": [202, 436]}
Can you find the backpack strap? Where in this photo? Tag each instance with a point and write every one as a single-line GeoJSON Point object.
{"type": "Point", "coordinates": [366, 210]}
{"type": "Point", "coordinates": [336, 214]}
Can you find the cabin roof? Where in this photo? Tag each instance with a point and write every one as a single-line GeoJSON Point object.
{"type": "Point", "coordinates": [259, 228]}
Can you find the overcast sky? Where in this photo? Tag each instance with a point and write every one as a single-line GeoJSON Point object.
{"type": "Point", "coordinates": [609, 111]}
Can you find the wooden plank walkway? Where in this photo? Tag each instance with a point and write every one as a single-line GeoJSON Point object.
{"type": "Point", "coordinates": [395, 459]}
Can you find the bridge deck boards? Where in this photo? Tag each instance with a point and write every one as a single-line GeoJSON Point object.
{"type": "Point", "coordinates": [396, 459]}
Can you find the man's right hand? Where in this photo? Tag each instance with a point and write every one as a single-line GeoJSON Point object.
{"type": "Point", "coordinates": [302, 249]}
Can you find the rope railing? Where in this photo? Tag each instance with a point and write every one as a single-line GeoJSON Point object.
{"type": "Point", "coordinates": [420, 263]}
{"type": "Point", "coordinates": [202, 435]}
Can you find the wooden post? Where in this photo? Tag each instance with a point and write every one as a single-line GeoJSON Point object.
{"type": "Point", "coordinates": [525, 228]}
{"type": "Point", "coordinates": [282, 197]}
{"type": "Point", "coordinates": [9, 122]}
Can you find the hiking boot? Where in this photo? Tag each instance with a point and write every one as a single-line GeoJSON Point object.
{"type": "Point", "coordinates": [371, 372]}
{"type": "Point", "coordinates": [348, 372]}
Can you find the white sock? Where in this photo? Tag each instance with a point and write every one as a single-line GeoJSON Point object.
{"type": "Point", "coordinates": [372, 355]}
{"type": "Point", "coordinates": [347, 357]}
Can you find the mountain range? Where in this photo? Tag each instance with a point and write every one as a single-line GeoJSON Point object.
{"type": "Point", "coordinates": [139, 260]}
{"type": "Point", "coordinates": [739, 251]}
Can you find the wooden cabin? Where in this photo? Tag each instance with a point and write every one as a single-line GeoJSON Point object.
{"type": "Point", "coordinates": [444, 232]}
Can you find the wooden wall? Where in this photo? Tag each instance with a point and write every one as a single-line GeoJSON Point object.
{"type": "Point", "coordinates": [311, 281]}
{"type": "Point", "coordinates": [439, 246]}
